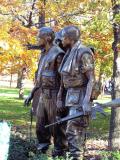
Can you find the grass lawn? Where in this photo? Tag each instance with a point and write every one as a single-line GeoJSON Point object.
{"type": "Point", "coordinates": [12, 90]}
{"type": "Point", "coordinates": [12, 110]}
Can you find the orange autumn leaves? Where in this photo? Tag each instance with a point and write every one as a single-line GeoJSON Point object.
{"type": "Point", "coordinates": [61, 13]}
{"type": "Point", "coordinates": [17, 56]}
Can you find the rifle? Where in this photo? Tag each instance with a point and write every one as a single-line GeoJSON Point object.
{"type": "Point", "coordinates": [67, 118]}
{"type": "Point", "coordinates": [114, 103]}
{"type": "Point", "coordinates": [96, 107]}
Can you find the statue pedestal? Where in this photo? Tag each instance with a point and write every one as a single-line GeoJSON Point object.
{"type": "Point", "coordinates": [4, 140]}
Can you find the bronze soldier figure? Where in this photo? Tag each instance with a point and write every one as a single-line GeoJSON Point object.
{"type": "Point", "coordinates": [35, 98]}
{"type": "Point", "coordinates": [77, 72]}
{"type": "Point", "coordinates": [58, 41]}
{"type": "Point", "coordinates": [49, 81]}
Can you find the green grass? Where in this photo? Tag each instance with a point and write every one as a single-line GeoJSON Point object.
{"type": "Point", "coordinates": [12, 91]}
{"type": "Point", "coordinates": [12, 109]}
{"type": "Point", "coordinates": [100, 126]}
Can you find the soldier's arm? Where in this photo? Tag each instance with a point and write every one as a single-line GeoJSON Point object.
{"type": "Point", "coordinates": [59, 60]}
{"type": "Point", "coordinates": [31, 95]}
{"type": "Point", "coordinates": [88, 70]}
{"type": "Point", "coordinates": [37, 82]}
{"type": "Point", "coordinates": [61, 89]}
{"type": "Point", "coordinates": [60, 94]}
{"type": "Point", "coordinates": [36, 87]}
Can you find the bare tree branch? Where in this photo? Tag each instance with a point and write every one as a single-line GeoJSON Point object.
{"type": "Point", "coordinates": [4, 14]}
{"type": "Point", "coordinates": [61, 16]}
{"type": "Point", "coordinates": [31, 13]}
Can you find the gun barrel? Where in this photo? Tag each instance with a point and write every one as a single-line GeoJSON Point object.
{"type": "Point", "coordinates": [114, 103]}
{"type": "Point", "coordinates": [67, 118]}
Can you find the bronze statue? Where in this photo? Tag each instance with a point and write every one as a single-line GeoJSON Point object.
{"type": "Point", "coordinates": [77, 72]}
{"type": "Point", "coordinates": [35, 98]}
{"type": "Point", "coordinates": [48, 80]}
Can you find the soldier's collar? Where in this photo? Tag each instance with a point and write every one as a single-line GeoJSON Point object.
{"type": "Point", "coordinates": [76, 44]}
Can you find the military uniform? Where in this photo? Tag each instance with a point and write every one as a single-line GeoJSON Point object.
{"type": "Point", "coordinates": [74, 68]}
{"type": "Point", "coordinates": [49, 79]}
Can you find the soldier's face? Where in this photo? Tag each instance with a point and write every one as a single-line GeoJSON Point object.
{"type": "Point", "coordinates": [41, 41]}
{"type": "Point", "coordinates": [66, 42]}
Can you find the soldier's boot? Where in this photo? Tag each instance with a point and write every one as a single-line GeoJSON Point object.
{"type": "Point", "coordinates": [43, 147]}
{"type": "Point", "coordinates": [60, 141]}
{"type": "Point", "coordinates": [43, 137]}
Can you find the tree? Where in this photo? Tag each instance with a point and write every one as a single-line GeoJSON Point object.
{"type": "Point", "coordinates": [25, 17]}
{"type": "Point", "coordinates": [98, 33]}
{"type": "Point", "coordinates": [19, 23]}
{"type": "Point", "coordinates": [23, 76]}
{"type": "Point", "coordinates": [114, 136]}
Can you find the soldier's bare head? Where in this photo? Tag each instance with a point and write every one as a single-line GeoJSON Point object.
{"type": "Point", "coordinates": [45, 35]}
{"type": "Point", "coordinates": [71, 34]}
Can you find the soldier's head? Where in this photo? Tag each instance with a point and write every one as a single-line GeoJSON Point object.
{"type": "Point", "coordinates": [58, 40]}
{"type": "Point", "coordinates": [45, 35]}
{"type": "Point", "coordinates": [70, 34]}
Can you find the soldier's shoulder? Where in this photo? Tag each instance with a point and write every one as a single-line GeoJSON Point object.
{"type": "Point", "coordinates": [84, 48]}
{"type": "Point", "coordinates": [58, 50]}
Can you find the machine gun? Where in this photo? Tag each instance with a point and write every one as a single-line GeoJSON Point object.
{"type": "Point", "coordinates": [96, 107]}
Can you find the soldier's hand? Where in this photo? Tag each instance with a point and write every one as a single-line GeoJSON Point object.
{"type": "Point", "coordinates": [60, 106]}
{"type": "Point", "coordinates": [86, 108]}
{"type": "Point", "coordinates": [28, 100]}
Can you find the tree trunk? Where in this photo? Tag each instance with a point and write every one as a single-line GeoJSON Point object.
{"type": "Point", "coordinates": [10, 80]}
{"type": "Point", "coordinates": [21, 90]}
{"type": "Point", "coordinates": [42, 15]}
{"type": "Point", "coordinates": [22, 83]}
{"type": "Point", "coordinates": [18, 79]}
{"type": "Point", "coordinates": [114, 134]}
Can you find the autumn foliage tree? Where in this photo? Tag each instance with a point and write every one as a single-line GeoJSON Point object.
{"type": "Point", "coordinates": [114, 137]}
{"type": "Point", "coordinates": [21, 19]}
